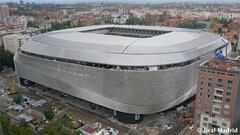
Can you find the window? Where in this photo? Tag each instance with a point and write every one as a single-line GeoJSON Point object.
{"type": "Point", "coordinates": [208, 90]}
{"type": "Point", "coordinates": [219, 92]}
{"type": "Point", "coordinates": [220, 80]}
{"type": "Point", "coordinates": [199, 99]}
{"type": "Point", "coordinates": [205, 119]}
{"type": "Point", "coordinates": [210, 79]}
{"type": "Point", "coordinates": [217, 109]}
{"type": "Point", "coordinates": [214, 122]}
{"type": "Point", "coordinates": [204, 124]}
{"type": "Point", "coordinates": [227, 100]}
{"type": "Point", "coordinates": [229, 88]}
{"type": "Point", "coordinates": [224, 124]}
{"type": "Point", "coordinates": [209, 84]}
{"type": "Point", "coordinates": [217, 103]}
{"type": "Point", "coordinates": [228, 94]}
{"type": "Point", "coordinates": [230, 82]}
{"type": "Point", "coordinates": [201, 82]}
{"type": "Point", "coordinates": [219, 85]}
{"type": "Point", "coordinates": [218, 98]}
{"type": "Point", "coordinates": [226, 112]}
{"type": "Point", "coordinates": [207, 107]}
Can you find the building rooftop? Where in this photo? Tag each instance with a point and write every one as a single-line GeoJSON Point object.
{"type": "Point", "coordinates": [125, 44]}
{"type": "Point", "coordinates": [25, 117]}
{"type": "Point", "coordinates": [225, 65]}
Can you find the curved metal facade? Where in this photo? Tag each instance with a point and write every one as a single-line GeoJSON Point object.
{"type": "Point", "coordinates": [129, 91]}
{"type": "Point", "coordinates": [137, 92]}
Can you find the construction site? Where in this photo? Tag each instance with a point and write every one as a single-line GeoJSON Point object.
{"type": "Point", "coordinates": [89, 118]}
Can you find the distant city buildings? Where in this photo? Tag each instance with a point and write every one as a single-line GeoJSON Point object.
{"type": "Point", "coordinates": [45, 26]}
{"type": "Point", "coordinates": [13, 42]}
{"type": "Point", "coordinates": [116, 19]}
{"type": "Point", "coordinates": [4, 11]}
{"type": "Point", "coordinates": [218, 96]}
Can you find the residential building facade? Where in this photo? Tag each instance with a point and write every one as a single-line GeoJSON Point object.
{"type": "Point", "coordinates": [217, 98]}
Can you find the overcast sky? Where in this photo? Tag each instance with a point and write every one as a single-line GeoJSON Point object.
{"type": "Point", "coordinates": [135, 1]}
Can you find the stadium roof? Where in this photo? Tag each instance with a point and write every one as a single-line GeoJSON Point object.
{"type": "Point", "coordinates": [94, 44]}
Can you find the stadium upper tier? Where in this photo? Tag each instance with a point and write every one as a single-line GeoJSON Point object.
{"type": "Point", "coordinates": [123, 45]}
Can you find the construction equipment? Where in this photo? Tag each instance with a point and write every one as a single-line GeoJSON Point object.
{"type": "Point", "coordinates": [13, 88]}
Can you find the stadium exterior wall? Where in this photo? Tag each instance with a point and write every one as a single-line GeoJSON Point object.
{"type": "Point", "coordinates": [135, 92]}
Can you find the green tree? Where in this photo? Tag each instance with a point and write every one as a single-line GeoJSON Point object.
{"type": "Point", "coordinates": [49, 114]}
{"type": "Point", "coordinates": [224, 22]}
{"type": "Point", "coordinates": [56, 128]}
{"type": "Point", "coordinates": [64, 25]}
{"type": "Point", "coordinates": [24, 130]}
{"type": "Point", "coordinates": [66, 121]}
{"type": "Point", "coordinates": [9, 128]}
{"type": "Point", "coordinates": [190, 25]}
{"type": "Point", "coordinates": [6, 58]}
{"type": "Point", "coordinates": [136, 21]}
{"type": "Point", "coordinates": [33, 24]}
{"type": "Point", "coordinates": [220, 31]}
{"type": "Point", "coordinates": [161, 19]}
{"type": "Point", "coordinates": [17, 99]}
{"type": "Point", "coordinates": [5, 124]}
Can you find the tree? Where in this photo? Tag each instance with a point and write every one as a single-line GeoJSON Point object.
{"type": "Point", "coordinates": [161, 19]}
{"type": "Point", "coordinates": [17, 99]}
{"type": "Point", "coordinates": [33, 24]}
{"type": "Point", "coordinates": [24, 130]}
{"type": "Point", "coordinates": [6, 58]}
{"type": "Point", "coordinates": [5, 124]}
{"type": "Point", "coordinates": [191, 25]}
{"type": "Point", "coordinates": [224, 22]}
{"type": "Point", "coordinates": [136, 21]}
{"type": "Point", "coordinates": [49, 114]}
{"type": "Point", "coordinates": [64, 25]}
{"type": "Point", "coordinates": [56, 128]}
{"type": "Point", "coordinates": [66, 121]}
{"type": "Point", "coordinates": [220, 31]}
{"type": "Point", "coordinates": [9, 128]}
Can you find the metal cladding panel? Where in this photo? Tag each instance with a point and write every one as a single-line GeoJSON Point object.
{"type": "Point", "coordinates": [178, 46]}
{"type": "Point", "coordinates": [99, 43]}
{"type": "Point", "coordinates": [151, 47]}
{"type": "Point", "coordinates": [121, 59]}
{"type": "Point", "coordinates": [138, 92]}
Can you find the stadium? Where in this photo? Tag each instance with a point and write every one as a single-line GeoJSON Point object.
{"type": "Point", "coordinates": [133, 70]}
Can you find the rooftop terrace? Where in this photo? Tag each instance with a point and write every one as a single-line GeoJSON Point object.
{"type": "Point", "coordinates": [225, 65]}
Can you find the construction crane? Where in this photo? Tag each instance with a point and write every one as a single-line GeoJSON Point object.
{"type": "Point", "coordinates": [13, 88]}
